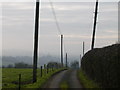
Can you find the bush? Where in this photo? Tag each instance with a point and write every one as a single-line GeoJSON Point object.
{"type": "Point", "coordinates": [103, 66]}
{"type": "Point", "coordinates": [22, 65]}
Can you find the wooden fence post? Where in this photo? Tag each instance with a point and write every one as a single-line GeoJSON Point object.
{"type": "Point", "coordinates": [44, 69]}
{"type": "Point", "coordinates": [19, 81]}
{"type": "Point", "coordinates": [47, 69]}
{"type": "Point", "coordinates": [41, 70]}
{"type": "Point", "coordinates": [52, 68]}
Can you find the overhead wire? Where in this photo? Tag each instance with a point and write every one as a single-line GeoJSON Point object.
{"type": "Point", "coordinates": [56, 21]}
{"type": "Point", "coordinates": [57, 24]}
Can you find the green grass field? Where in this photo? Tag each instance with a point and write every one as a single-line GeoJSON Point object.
{"type": "Point", "coordinates": [10, 77]}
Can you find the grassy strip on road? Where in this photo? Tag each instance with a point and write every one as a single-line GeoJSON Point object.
{"type": "Point", "coordinates": [64, 85]}
{"type": "Point", "coordinates": [85, 81]}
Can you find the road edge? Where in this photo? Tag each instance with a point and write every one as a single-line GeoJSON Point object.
{"type": "Point", "coordinates": [47, 82]}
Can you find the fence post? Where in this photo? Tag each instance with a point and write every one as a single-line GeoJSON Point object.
{"type": "Point", "coordinates": [44, 69]}
{"type": "Point", "coordinates": [47, 69]}
{"type": "Point", "coordinates": [52, 68]}
{"type": "Point", "coordinates": [41, 71]}
{"type": "Point", "coordinates": [19, 81]}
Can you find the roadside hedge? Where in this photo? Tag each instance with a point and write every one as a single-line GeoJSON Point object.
{"type": "Point", "coordinates": [103, 66]}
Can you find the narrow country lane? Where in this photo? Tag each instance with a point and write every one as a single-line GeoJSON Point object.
{"type": "Point", "coordinates": [55, 80]}
{"type": "Point", "coordinates": [69, 76]}
{"type": "Point", "coordinates": [73, 80]}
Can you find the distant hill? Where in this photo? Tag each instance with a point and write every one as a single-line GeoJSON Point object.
{"type": "Point", "coordinates": [6, 60]}
{"type": "Point", "coordinates": [103, 65]}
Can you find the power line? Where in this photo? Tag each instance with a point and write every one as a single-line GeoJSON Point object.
{"type": "Point", "coordinates": [59, 30]}
{"type": "Point", "coordinates": [56, 21]}
{"type": "Point", "coordinates": [57, 24]}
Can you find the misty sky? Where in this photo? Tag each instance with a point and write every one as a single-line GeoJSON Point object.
{"type": "Point", "coordinates": [75, 21]}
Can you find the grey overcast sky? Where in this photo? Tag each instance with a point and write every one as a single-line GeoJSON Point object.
{"type": "Point", "coordinates": [76, 24]}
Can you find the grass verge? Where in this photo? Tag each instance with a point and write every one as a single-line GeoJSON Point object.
{"type": "Point", "coordinates": [85, 81]}
{"type": "Point", "coordinates": [41, 81]}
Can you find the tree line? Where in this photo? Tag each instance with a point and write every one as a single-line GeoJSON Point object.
{"type": "Point", "coordinates": [74, 65]}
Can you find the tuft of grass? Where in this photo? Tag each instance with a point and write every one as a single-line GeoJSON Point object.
{"type": "Point", "coordinates": [64, 85]}
{"type": "Point", "coordinates": [85, 81]}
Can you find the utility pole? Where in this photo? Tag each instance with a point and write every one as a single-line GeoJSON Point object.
{"type": "Point", "coordinates": [94, 27]}
{"type": "Point", "coordinates": [62, 50]}
{"type": "Point", "coordinates": [36, 43]}
{"type": "Point", "coordinates": [83, 48]}
{"type": "Point", "coordinates": [80, 59]}
{"type": "Point", "coordinates": [66, 61]}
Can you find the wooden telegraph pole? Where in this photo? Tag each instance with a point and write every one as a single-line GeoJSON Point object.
{"type": "Point", "coordinates": [66, 61]}
{"type": "Point", "coordinates": [36, 43]}
{"type": "Point", "coordinates": [94, 27]}
{"type": "Point", "coordinates": [83, 48]}
{"type": "Point", "coordinates": [80, 59]}
{"type": "Point", "coordinates": [80, 56]}
{"type": "Point", "coordinates": [62, 50]}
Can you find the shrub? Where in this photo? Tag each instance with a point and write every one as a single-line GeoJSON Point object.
{"type": "Point", "coordinates": [103, 66]}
